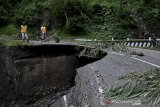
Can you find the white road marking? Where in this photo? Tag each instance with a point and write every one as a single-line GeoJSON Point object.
{"type": "Point", "coordinates": [65, 100]}
{"type": "Point", "coordinates": [138, 60]}
{"type": "Point", "coordinates": [100, 89]}
{"type": "Point", "coordinates": [146, 62]}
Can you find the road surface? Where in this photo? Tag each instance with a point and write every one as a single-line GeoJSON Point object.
{"type": "Point", "coordinates": [92, 79]}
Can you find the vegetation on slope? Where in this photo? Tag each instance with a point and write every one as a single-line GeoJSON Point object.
{"type": "Point", "coordinates": [12, 43]}
{"type": "Point", "coordinates": [95, 18]}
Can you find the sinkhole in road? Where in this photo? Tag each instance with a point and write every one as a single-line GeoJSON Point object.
{"type": "Point", "coordinates": [38, 75]}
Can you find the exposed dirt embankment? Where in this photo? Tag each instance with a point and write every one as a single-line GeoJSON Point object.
{"type": "Point", "coordinates": [37, 75]}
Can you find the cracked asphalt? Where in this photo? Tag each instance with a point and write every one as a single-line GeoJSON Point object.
{"type": "Point", "coordinates": [93, 79]}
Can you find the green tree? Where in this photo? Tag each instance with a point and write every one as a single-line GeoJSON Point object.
{"type": "Point", "coordinates": [7, 11]}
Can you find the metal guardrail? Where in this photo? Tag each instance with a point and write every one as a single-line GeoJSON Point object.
{"type": "Point", "coordinates": [130, 43]}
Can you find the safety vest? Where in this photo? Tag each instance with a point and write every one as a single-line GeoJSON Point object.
{"type": "Point", "coordinates": [43, 29]}
{"type": "Point", "coordinates": [23, 29]}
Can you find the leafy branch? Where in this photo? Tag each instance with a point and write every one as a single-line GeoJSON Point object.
{"type": "Point", "coordinates": [144, 86]}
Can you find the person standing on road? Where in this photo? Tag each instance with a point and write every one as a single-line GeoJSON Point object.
{"type": "Point", "coordinates": [43, 31]}
{"type": "Point", "coordinates": [24, 32]}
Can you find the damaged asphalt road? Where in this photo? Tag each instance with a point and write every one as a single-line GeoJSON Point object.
{"type": "Point", "coordinates": [92, 80]}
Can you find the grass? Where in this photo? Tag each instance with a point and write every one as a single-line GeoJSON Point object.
{"type": "Point", "coordinates": [9, 30]}
{"type": "Point", "coordinates": [157, 48]}
{"type": "Point", "coordinates": [84, 35]}
{"type": "Point", "coordinates": [12, 42]}
{"type": "Point", "coordinates": [143, 86]}
{"type": "Point", "coordinates": [90, 52]}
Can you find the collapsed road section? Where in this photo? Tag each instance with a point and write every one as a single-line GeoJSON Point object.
{"type": "Point", "coordinates": [61, 75]}
{"type": "Point", "coordinates": [37, 75]}
{"type": "Point", "coordinates": [94, 80]}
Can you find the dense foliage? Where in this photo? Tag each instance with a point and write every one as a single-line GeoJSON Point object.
{"type": "Point", "coordinates": [97, 18]}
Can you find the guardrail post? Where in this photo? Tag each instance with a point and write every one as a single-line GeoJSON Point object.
{"type": "Point", "coordinates": [112, 39]}
{"type": "Point", "coordinates": [127, 42]}
{"type": "Point", "coordinates": [158, 42]}
{"type": "Point", "coordinates": [150, 42]}
{"type": "Point", "coordinates": [154, 41]}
